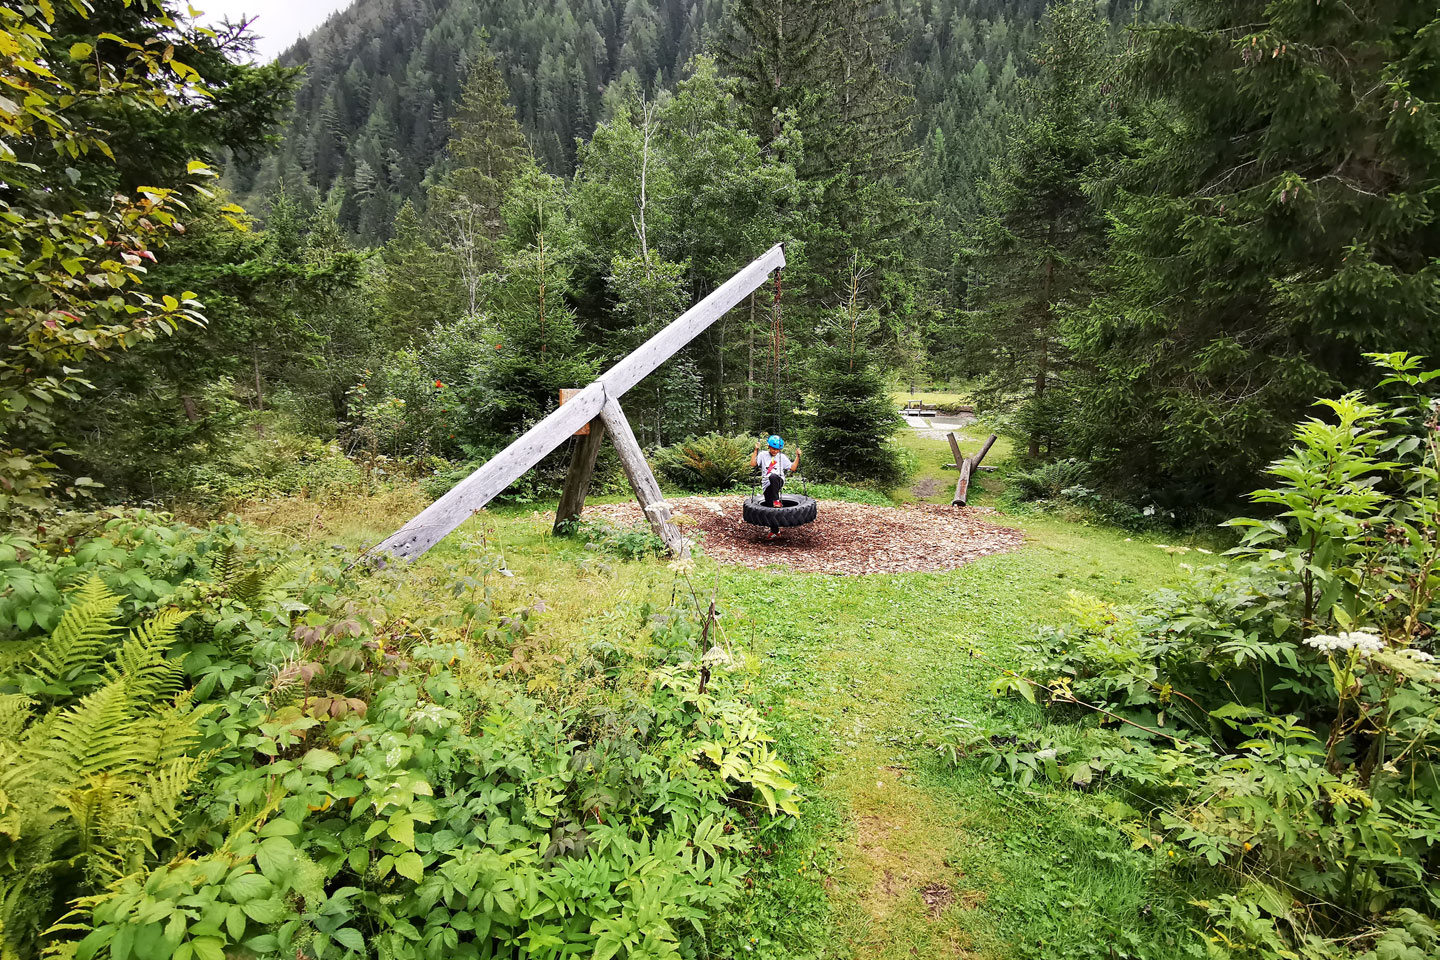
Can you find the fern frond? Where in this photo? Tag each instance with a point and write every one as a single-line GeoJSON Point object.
{"type": "Point", "coordinates": [93, 736]}
{"type": "Point", "coordinates": [16, 710]}
{"type": "Point", "coordinates": [102, 812]}
{"type": "Point", "coordinates": [174, 733]}
{"type": "Point", "coordinates": [226, 565]}
{"type": "Point", "coordinates": [157, 808]}
{"type": "Point", "coordinates": [141, 660]}
{"type": "Point", "coordinates": [284, 573]}
{"type": "Point", "coordinates": [79, 642]}
{"type": "Point", "coordinates": [249, 588]}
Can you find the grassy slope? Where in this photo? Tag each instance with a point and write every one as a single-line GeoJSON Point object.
{"type": "Point", "coordinates": [860, 673]}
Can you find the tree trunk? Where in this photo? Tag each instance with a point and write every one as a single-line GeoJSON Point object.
{"type": "Point", "coordinates": [720, 378]}
{"type": "Point", "coordinates": [259, 390]}
{"type": "Point", "coordinates": [1042, 366]}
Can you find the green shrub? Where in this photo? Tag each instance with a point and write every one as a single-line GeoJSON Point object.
{"type": "Point", "coordinates": [711, 462]}
{"type": "Point", "coordinates": [855, 418]}
{"type": "Point", "coordinates": [1280, 715]}
{"type": "Point", "coordinates": [635, 541]}
{"type": "Point", "coordinates": [289, 760]}
{"type": "Point", "coordinates": [1049, 481]}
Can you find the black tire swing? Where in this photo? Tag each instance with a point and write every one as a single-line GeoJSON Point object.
{"type": "Point", "coordinates": [798, 508]}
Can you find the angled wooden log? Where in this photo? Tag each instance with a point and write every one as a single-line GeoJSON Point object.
{"type": "Point", "coordinates": [968, 467]}
{"type": "Point", "coordinates": [962, 486]}
{"type": "Point", "coordinates": [647, 489]}
{"type": "Point", "coordinates": [577, 479]}
{"type": "Point", "coordinates": [501, 470]}
{"type": "Point", "coordinates": [975, 460]}
{"type": "Point", "coordinates": [955, 449]}
{"type": "Point", "coordinates": [482, 486]}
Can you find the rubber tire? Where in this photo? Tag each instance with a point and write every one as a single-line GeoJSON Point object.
{"type": "Point", "coordinates": [798, 511]}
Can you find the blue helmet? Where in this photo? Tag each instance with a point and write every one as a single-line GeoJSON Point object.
{"type": "Point", "coordinates": [775, 442]}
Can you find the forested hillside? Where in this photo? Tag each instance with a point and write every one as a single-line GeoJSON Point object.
{"type": "Point", "coordinates": [383, 78]}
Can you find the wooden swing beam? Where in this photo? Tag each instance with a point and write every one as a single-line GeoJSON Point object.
{"type": "Point", "coordinates": [598, 404]}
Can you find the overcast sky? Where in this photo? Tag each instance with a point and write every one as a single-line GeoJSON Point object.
{"type": "Point", "coordinates": [278, 23]}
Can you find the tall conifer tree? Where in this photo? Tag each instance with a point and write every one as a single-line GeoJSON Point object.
{"type": "Point", "coordinates": [1282, 222]}
{"type": "Point", "coordinates": [1042, 235]}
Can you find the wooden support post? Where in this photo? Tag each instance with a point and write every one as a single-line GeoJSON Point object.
{"type": "Point", "coordinates": [577, 478]}
{"type": "Point", "coordinates": [955, 449]}
{"type": "Point", "coordinates": [647, 489]}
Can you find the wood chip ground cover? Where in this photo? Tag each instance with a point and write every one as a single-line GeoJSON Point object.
{"type": "Point", "coordinates": [848, 539]}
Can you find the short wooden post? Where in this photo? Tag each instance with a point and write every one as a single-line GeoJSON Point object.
{"type": "Point", "coordinates": [577, 478]}
{"type": "Point", "coordinates": [647, 489]}
{"type": "Point", "coordinates": [955, 449]}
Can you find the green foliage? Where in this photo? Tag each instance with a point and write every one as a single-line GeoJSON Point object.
{"type": "Point", "coordinates": [1041, 234]}
{"type": "Point", "coordinates": [538, 352]}
{"type": "Point", "coordinates": [1049, 481]}
{"type": "Point", "coordinates": [418, 285]}
{"type": "Point", "coordinates": [854, 414]}
{"type": "Point", "coordinates": [1256, 252]}
{"type": "Point", "coordinates": [353, 774]}
{"type": "Point", "coordinates": [98, 749]}
{"type": "Point", "coordinates": [711, 462]}
{"type": "Point", "coordinates": [106, 112]}
{"type": "Point", "coordinates": [634, 541]}
{"type": "Point", "coordinates": [1278, 715]}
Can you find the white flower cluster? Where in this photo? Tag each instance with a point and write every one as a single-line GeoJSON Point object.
{"type": "Point", "coordinates": [716, 656]}
{"type": "Point", "coordinates": [1418, 655]}
{"type": "Point", "coordinates": [1363, 643]}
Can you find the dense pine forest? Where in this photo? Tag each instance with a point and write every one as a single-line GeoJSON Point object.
{"type": "Point", "coordinates": [1153, 285]}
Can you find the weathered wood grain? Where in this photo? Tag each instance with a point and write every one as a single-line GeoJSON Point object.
{"type": "Point", "coordinates": [962, 486]}
{"type": "Point", "coordinates": [482, 486]}
{"type": "Point", "coordinates": [647, 489]}
{"type": "Point", "coordinates": [690, 324]}
{"type": "Point", "coordinates": [577, 478]}
{"type": "Point", "coordinates": [975, 460]}
{"type": "Point", "coordinates": [955, 449]}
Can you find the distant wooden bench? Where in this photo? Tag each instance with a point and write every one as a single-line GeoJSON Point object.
{"type": "Point", "coordinates": [916, 408]}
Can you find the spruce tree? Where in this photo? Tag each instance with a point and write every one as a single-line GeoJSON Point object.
{"type": "Point", "coordinates": [486, 143]}
{"type": "Point", "coordinates": [417, 285]}
{"type": "Point", "coordinates": [538, 352]}
{"type": "Point", "coordinates": [830, 69]}
{"type": "Point", "coordinates": [855, 416]}
{"type": "Point", "coordinates": [1042, 235]}
{"type": "Point", "coordinates": [1281, 223]}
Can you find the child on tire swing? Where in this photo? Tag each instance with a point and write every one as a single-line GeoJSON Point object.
{"type": "Point", "coordinates": [773, 465]}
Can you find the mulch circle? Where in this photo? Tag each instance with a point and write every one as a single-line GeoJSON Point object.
{"type": "Point", "coordinates": [849, 539]}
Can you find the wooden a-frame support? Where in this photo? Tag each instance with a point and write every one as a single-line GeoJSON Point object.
{"type": "Point", "coordinates": [966, 466]}
{"type": "Point", "coordinates": [598, 405]}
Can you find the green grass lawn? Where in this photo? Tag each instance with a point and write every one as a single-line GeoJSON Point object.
{"type": "Point", "coordinates": [929, 396]}
{"type": "Point", "coordinates": [898, 854]}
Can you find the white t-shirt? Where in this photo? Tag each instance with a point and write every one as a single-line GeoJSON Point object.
{"type": "Point", "coordinates": [772, 463]}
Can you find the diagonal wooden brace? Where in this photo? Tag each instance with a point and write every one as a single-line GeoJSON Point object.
{"type": "Point", "coordinates": [647, 489]}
